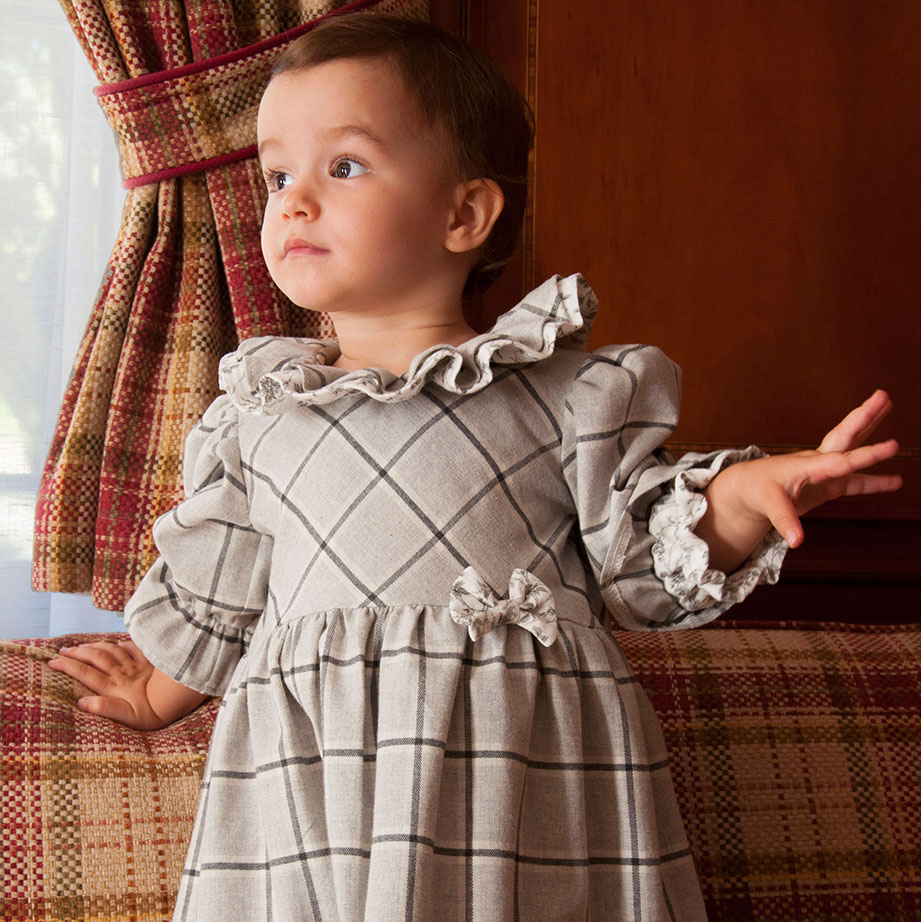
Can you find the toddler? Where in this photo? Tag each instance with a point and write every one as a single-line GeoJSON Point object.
{"type": "Point", "coordinates": [401, 552]}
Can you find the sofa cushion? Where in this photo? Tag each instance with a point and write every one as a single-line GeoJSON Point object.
{"type": "Point", "coordinates": [95, 817]}
{"type": "Point", "coordinates": [794, 750]}
{"type": "Point", "coordinates": [796, 759]}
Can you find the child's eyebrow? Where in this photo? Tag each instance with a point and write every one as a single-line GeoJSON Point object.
{"type": "Point", "coordinates": [265, 143]}
{"type": "Point", "coordinates": [361, 131]}
{"type": "Point", "coordinates": [333, 134]}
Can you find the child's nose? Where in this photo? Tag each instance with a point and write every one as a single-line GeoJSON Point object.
{"type": "Point", "coordinates": [300, 201]}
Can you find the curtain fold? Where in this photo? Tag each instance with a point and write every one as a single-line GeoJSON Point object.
{"type": "Point", "coordinates": [185, 282]}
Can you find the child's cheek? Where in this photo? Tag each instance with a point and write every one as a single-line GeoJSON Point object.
{"type": "Point", "coordinates": [265, 236]}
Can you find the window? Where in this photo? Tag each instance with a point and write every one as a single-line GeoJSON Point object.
{"type": "Point", "coordinates": [60, 208]}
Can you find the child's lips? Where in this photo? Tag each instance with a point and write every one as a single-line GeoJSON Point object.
{"type": "Point", "coordinates": [297, 246]}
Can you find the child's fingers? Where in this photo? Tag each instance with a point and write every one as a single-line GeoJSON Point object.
{"type": "Point", "coordinates": [98, 666]}
{"type": "Point", "coordinates": [836, 475]}
{"type": "Point", "coordinates": [133, 650]}
{"type": "Point", "coordinates": [817, 467]}
{"type": "Point", "coordinates": [860, 484]}
{"type": "Point", "coordinates": [778, 508]}
{"type": "Point", "coordinates": [858, 424]}
{"type": "Point", "coordinates": [87, 675]}
{"type": "Point", "coordinates": [112, 708]}
{"type": "Point", "coordinates": [868, 455]}
{"type": "Point", "coordinates": [102, 655]}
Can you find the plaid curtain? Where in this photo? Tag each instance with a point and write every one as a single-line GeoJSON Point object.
{"type": "Point", "coordinates": [181, 82]}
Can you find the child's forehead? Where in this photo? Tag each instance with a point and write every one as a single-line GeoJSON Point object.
{"type": "Point", "coordinates": [346, 93]}
{"type": "Point", "coordinates": [360, 83]}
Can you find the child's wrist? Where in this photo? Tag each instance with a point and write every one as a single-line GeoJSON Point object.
{"type": "Point", "coordinates": [169, 700]}
{"type": "Point", "coordinates": [728, 526]}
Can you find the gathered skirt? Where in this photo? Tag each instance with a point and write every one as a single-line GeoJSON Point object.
{"type": "Point", "coordinates": [378, 764]}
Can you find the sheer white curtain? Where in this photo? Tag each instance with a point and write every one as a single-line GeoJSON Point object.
{"type": "Point", "coordinates": [60, 209]}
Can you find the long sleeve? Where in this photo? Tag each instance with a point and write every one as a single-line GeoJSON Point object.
{"type": "Point", "coordinates": [195, 610]}
{"type": "Point", "coordinates": [637, 506]}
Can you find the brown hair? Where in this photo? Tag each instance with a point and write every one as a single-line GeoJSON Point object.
{"type": "Point", "coordinates": [455, 86]}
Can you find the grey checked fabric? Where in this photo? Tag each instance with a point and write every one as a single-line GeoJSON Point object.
{"type": "Point", "coordinates": [372, 760]}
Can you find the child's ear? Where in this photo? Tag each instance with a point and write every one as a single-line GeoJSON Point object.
{"type": "Point", "coordinates": [477, 205]}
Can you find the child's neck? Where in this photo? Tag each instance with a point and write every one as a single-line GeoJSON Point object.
{"type": "Point", "coordinates": [366, 344]}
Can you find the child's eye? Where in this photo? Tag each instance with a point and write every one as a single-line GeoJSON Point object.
{"type": "Point", "coordinates": [276, 180]}
{"type": "Point", "coordinates": [346, 168]}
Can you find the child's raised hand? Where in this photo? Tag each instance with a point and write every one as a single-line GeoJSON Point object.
{"type": "Point", "coordinates": [746, 499]}
{"type": "Point", "coordinates": [119, 675]}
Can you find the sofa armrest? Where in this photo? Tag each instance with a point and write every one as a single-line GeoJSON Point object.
{"type": "Point", "coordinates": [96, 818]}
{"type": "Point", "coordinates": [796, 760]}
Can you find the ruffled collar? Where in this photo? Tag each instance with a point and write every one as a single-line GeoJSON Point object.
{"type": "Point", "coordinates": [271, 374]}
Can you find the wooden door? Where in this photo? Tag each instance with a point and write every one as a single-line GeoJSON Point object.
{"type": "Point", "coordinates": [741, 185]}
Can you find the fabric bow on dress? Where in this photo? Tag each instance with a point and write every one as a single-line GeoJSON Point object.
{"type": "Point", "coordinates": [529, 605]}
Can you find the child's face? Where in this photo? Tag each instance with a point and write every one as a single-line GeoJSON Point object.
{"type": "Point", "coordinates": [360, 193]}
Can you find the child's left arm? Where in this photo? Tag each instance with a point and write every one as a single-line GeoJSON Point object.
{"type": "Point", "coordinates": [744, 500]}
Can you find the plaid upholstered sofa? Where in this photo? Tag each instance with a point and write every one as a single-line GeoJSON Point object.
{"type": "Point", "coordinates": [796, 751]}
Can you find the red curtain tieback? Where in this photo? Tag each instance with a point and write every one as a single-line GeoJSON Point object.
{"type": "Point", "coordinates": [197, 116]}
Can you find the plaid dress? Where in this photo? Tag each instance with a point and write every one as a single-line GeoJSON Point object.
{"type": "Point", "coordinates": [403, 588]}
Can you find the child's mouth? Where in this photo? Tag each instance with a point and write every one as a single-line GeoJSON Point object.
{"type": "Point", "coordinates": [297, 246]}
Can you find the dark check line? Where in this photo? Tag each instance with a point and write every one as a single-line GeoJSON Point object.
{"type": "Point", "coordinates": [176, 601]}
{"type": "Point", "coordinates": [500, 478]}
{"type": "Point", "coordinates": [383, 474]}
{"type": "Point", "coordinates": [350, 754]}
{"type": "Point", "coordinates": [539, 311]}
{"type": "Point", "coordinates": [444, 851]}
{"type": "Point", "coordinates": [330, 635]}
{"type": "Point", "coordinates": [204, 630]}
{"type": "Point", "coordinates": [272, 604]}
{"type": "Point", "coordinates": [626, 577]}
{"type": "Point", "coordinates": [461, 513]}
{"type": "Point", "coordinates": [412, 868]}
{"type": "Point", "coordinates": [676, 616]}
{"type": "Point", "coordinates": [630, 801]}
{"type": "Point", "coordinates": [501, 660]}
{"type": "Point", "coordinates": [541, 403]}
{"type": "Point", "coordinates": [257, 445]}
{"type": "Point", "coordinates": [297, 857]}
{"type": "Point", "coordinates": [595, 358]}
{"type": "Point", "coordinates": [265, 767]}
{"type": "Point", "coordinates": [333, 424]}
{"type": "Point", "coordinates": [543, 765]}
{"type": "Point", "coordinates": [468, 788]}
{"type": "Point", "coordinates": [374, 684]}
{"type": "Point", "coordinates": [619, 431]}
{"type": "Point", "coordinates": [617, 363]}
{"type": "Point", "coordinates": [298, 836]}
{"type": "Point", "coordinates": [369, 594]}
{"type": "Point", "coordinates": [220, 563]}
{"type": "Point", "coordinates": [254, 348]}
{"type": "Point", "coordinates": [565, 526]}
{"type": "Point", "coordinates": [431, 743]}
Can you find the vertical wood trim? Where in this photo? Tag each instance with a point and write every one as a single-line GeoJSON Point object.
{"type": "Point", "coordinates": [530, 220]}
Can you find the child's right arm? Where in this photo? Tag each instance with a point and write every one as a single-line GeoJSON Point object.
{"type": "Point", "coordinates": [128, 688]}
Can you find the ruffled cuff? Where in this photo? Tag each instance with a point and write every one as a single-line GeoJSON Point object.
{"type": "Point", "coordinates": [681, 559]}
{"type": "Point", "coordinates": [183, 637]}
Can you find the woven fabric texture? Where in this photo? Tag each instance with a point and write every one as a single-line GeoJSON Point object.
{"type": "Point", "coordinates": [95, 817]}
{"type": "Point", "coordinates": [793, 750]}
{"type": "Point", "coordinates": [185, 281]}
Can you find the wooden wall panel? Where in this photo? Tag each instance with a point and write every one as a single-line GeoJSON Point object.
{"type": "Point", "coordinates": [740, 183]}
